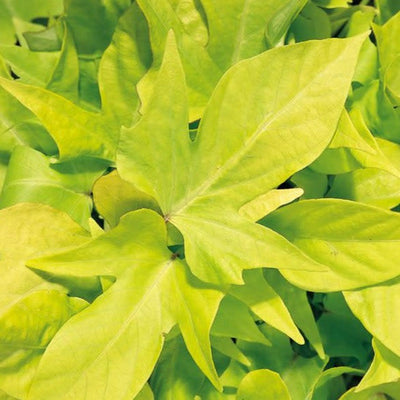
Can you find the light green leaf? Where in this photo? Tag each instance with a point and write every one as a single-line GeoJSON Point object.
{"type": "Point", "coordinates": [384, 369]}
{"type": "Point", "coordinates": [389, 55]}
{"type": "Point", "coordinates": [268, 202]}
{"type": "Point", "coordinates": [369, 185]}
{"type": "Point", "coordinates": [299, 374]}
{"type": "Point", "coordinates": [153, 291]}
{"type": "Point", "coordinates": [124, 63]}
{"type": "Point", "coordinates": [313, 184]}
{"type": "Point", "coordinates": [65, 75]}
{"type": "Point", "coordinates": [297, 303]}
{"type": "Point", "coordinates": [359, 22]}
{"type": "Point", "coordinates": [226, 347]}
{"type": "Point", "coordinates": [92, 23]}
{"type": "Point", "coordinates": [201, 71]}
{"type": "Point", "coordinates": [34, 9]}
{"type": "Point", "coordinates": [176, 376]}
{"type": "Point", "coordinates": [31, 308]}
{"type": "Point", "coordinates": [26, 328]}
{"type": "Point", "coordinates": [312, 23]}
{"type": "Point", "coordinates": [263, 384]}
{"type": "Point", "coordinates": [332, 3]}
{"type": "Point", "coordinates": [145, 393]}
{"type": "Point", "coordinates": [336, 323]}
{"type": "Point", "coordinates": [327, 386]}
{"type": "Point", "coordinates": [347, 135]}
{"type": "Point", "coordinates": [77, 132]}
{"type": "Point", "coordinates": [351, 239]}
{"type": "Point", "coordinates": [28, 229]}
{"type": "Point", "coordinates": [234, 320]}
{"type": "Point", "coordinates": [32, 178]}
{"type": "Point", "coordinates": [206, 182]}
{"type": "Point", "coordinates": [262, 299]}
{"type": "Point", "coordinates": [367, 66]}
{"type": "Point", "coordinates": [114, 197]}
{"type": "Point", "coordinates": [378, 113]}
{"type": "Point", "coordinates": [377, 308]}
{"type": "Point", "coordinates": [33, 68]}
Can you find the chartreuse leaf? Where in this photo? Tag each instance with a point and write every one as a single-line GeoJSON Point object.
{"type": "Point", "coordinates": [123, 64]}
{"type": "Point", "coordinates": [299, 308]}
{"type": "Point", "coordinates": [201, 71]}
{"type": "Point", "coordinates": [24, 338]}
{"type": "Point", "coordinates": [299, 373]}
{"type": "Point", "coordinates": [313, 184]}
{"type": "Point", "coordinates": [145, 394]}
{"type": "Point", "coordinates": [331, 3]}
{"type": "Point", "coordinates": [200, 185]}
{"type": "Point", "coordinates": [114, 197]}
{"type": "Point", "coordinates": [28, 229]}
{"type": "Point", "coordinates": [64, 79]}
{"type": "Point", "coordinates": [31, 308]}
{"type": "Point", "coordinates": [312, 23]}
{"type": "Point", "coordinates": [379, 115]}
{"type": "Point", "coordinates": [377, 308]}
{"type": "Point", "coordinates": [389, 55]}
{"type": "Point", "coordinates": [351, 239]}
{"type": "Point", "coordinates": [369, 185]}
{"type": "Point", "coordinates": [262, 384]}
{"type": "Point", "coordinates": [33, 68]}
{"type": "Point", "coordinates": [34, 9]}
{"type": "Point", "coordinates": [330, 385]}
{"type": "Point", "coordinates": [31, 177]}
{"type": "Point", "coordinates": [337, 322]}
{"type": "Point", "coordinates": [233, 320]}
{"type": "Point", "coordinates": [7, 29]}
{"type": "Point", "coordinates": [92, 23]}
{"type": "Point", "coordinates": [384, 369]}
{"type": "Point", "coordinates": [154, 290]}
{"type": "Point", "coordinates": [77, 132]}
{"type": "Point", "coordinates": [176, 375]}
{"type": "Point", "coordinates": [262, 299]}
{"type": "Point", "coordinates": [247, 28]}
{"type": "Point", "coordinates": [268, 202]}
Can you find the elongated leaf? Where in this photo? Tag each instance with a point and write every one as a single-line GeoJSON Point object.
{"type": "Point", "coordinates": [202, 200]}
{"type": "Point", "coordinates": [262, 299]}
{"type": "Point", "coordinates": [351, 239]}
{"type": "Point", "coordinates": [201, 71]}
{"type": "Point", "coordinates": [124, 63]}
{"type": "Point", "coordinates": [297, 303]}
{"type": "Point", "coordinates": [153, 291]}
{"type": "Point", "coordinates": [233, 320]}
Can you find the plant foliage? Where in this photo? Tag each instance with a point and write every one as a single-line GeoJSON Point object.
{"type": "Point", "coordinates": [199, 200]}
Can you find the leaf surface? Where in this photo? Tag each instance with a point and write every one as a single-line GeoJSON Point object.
{"type": "Point", "coordinates": [351, 239]}
{"type": "Point", "coordinates": [208, 181]}
{"type": "Point", "coordinates": [153, 291]}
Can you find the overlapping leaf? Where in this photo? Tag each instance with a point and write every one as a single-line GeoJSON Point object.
{"type": "Point", "coordinates": [154, 290]}
{"type": "Point", "coordinates": [351, 239]}
{"type": "Point", "coordinates": [227, 165]}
